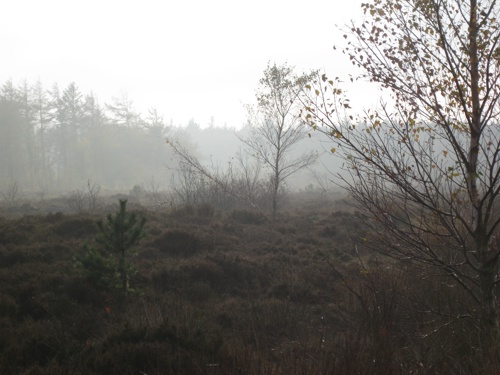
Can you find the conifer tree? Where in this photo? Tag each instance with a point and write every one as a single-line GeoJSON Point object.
{"type": "Point", "coordinates": [106, 266]}
{"type": "Point", "coordinates": [118, 235]}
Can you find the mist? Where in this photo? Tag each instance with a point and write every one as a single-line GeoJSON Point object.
{"type": "Point", "coordinates": [57, 140]}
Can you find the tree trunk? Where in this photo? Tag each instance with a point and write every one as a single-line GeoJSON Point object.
{"type": "Point", "coordinates": [489, 323]}
{"type": "Point", "coordinates": [124, 275]}
{"type": "Point", "coordinates": [275, 199]}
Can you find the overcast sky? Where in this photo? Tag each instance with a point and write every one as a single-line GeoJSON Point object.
{"type": "Point", "coordinates": [189, 59]}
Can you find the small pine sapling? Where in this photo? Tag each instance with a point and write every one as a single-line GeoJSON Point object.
{"type": "Point", "coordinates": [97, 268]}
{"type": "Point", "coordinates": [118, 235]}
{"type": "Point", "coordinates": [107, 267]}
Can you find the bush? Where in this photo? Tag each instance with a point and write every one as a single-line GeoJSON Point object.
{"type": "Point", "coordinates": [248, 217]}
{"type": "Point", "coordinates": [74, 227]}
{"type": "Point", "coordinates": [52, 218]}
{"type": "Point", "coordinates": [86, 201]}
{"type": "Point", "coordinates": [178, 243]}
{"type": "Point", "coordinates": [205, 210]}
{"type": "Point", "coordinates": [182, 211]}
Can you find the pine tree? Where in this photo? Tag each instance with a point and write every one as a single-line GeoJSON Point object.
{"type": "Point", "coordinates": [118, 235]}
{"type": "Point", "coordinates": [107, 266]}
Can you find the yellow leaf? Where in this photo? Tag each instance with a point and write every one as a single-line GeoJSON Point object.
{"type": "Point", "coordinates": [338, 135]}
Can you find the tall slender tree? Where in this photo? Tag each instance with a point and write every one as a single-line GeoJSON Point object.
{"type": "Point", "coordinates": [11, 136]}
{"type": "Point", "coordinates": [28, 115]}
{"type": "Point", "coordinates": [276, 127]}
{"type": "Point", "coordinates": [43, 113]}
{"type": "Point", "coordinates": [69, 119]}
{"type": "Point", "coordinates": [93, 137]}
{"type": "Point", "coordinates": [122, 111]}
{"type": "Point", "coordinates": [426, 168]}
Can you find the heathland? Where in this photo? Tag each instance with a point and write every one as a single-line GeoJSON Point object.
{"type": "Point", "coordinates": [223, 292]}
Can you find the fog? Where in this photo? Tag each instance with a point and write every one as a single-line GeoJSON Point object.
{"type": "Point", "coordinates": [91, 90]}
{"type": "Point", "coordinates": [190, 59]}
{"type": "Point", "coordinates": [54, 140]}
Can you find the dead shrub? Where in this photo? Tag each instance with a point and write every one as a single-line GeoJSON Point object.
{"type": "Point", "coordinates": [86, 200]}
{"type": "Point", "coordinates": [10, 193]}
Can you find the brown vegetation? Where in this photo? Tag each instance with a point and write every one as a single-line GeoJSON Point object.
{"type": "Point", "coordinates": [228, 293]}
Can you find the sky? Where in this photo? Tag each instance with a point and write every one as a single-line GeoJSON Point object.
{"type": "Point", "coordinates": [189, 59]}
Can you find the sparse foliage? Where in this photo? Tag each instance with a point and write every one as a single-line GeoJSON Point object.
{"type": "Point", "coordinates": [277, 127]}
{"type": "Point", "coordinates": [10, 193]}
{"type": "Point", "coordinates": [238, 184]}
{"type": "Point", "coordinates": [155, 198]}
{"type": "Point", "coordinates": [86, 200]}
{"type": "Point", "coordinates": [425, 170]}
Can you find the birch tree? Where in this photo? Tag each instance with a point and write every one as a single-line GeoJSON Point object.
{"type": "Point", "coordinates": [277, 128]}
{"type": "Point", "coordinates": [426, 167]}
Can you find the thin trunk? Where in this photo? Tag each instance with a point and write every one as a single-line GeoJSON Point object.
{"type": "Point", "coordinates": [124, 275]}
{"type": "Point", "coordinates": [488, 264]}
{"type": "Point", "coordinates": [275, 192]}
{"type": "Point", "coordinates": [277, 165]}
{"type": "Point", "coordinates": [475, 125]}
{"type": "Point", "coordinates": [489, 325]}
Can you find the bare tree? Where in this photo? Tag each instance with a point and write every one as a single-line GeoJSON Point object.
{"type": "Point", "coordinates": [426, 168]}
{"type": "Point", "coordinates": [198, 183]}
{"type": "Point", "coordinates": [276, 127]}
{"type": "Point", "coordinates": [10, 193]}
{"type": "Point", "coordinates": [86, 201]}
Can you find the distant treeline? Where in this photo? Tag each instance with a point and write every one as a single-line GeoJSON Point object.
{"type": "Point", "coordinates": [54, 139]}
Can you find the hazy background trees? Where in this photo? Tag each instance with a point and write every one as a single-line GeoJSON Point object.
{"type": "Point", "coordinates": [264, 155]}
{"type": "Point", "coordinates": [56, 139]}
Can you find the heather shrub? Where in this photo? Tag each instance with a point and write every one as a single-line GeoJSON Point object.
{"type": "Point", "coordinates": [226, 298]}
{"type": "Point", "coordinates": [248, 217]}
{"type": "Point", "coordinates": [75, 227]}
{"type": "Point", "coordinates": [183, 211]}
{"type": "Point", "coordinates": [177, 243]}
{"type": "Point", "coordinates": [205, 210]}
